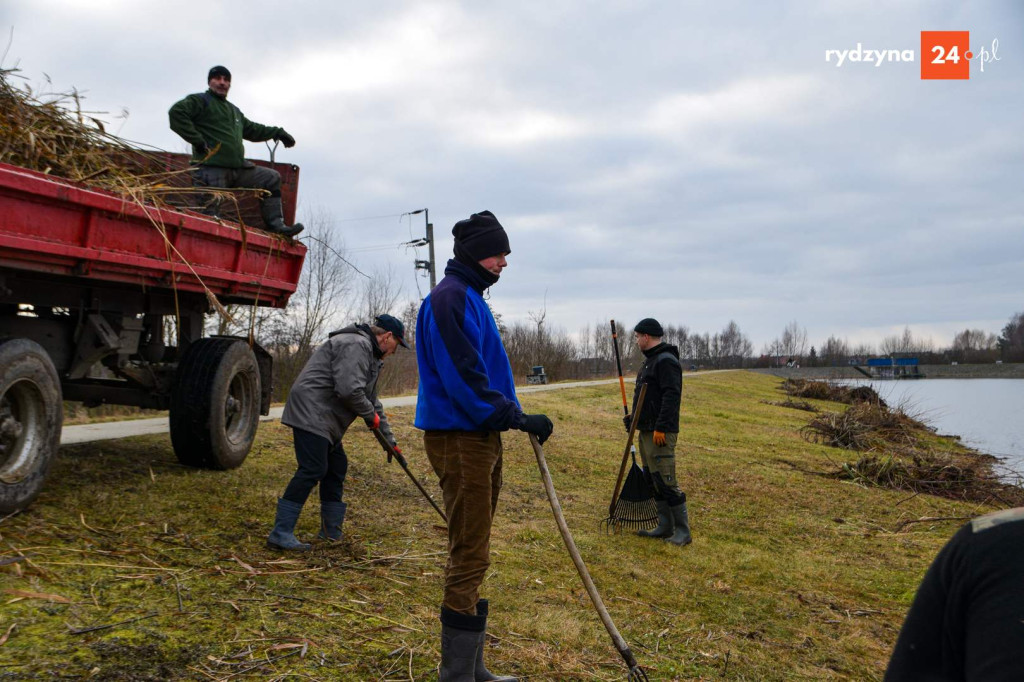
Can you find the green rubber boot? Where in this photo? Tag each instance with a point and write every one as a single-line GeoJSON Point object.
{"type": "Point", "coordinates": [460, 644]}
{"type": "Point", "coordinates": [482, 674]}
{"type": "Point", "coordinates": [681, 536]}
{"type": "Point", "coordinates": [665, 524]}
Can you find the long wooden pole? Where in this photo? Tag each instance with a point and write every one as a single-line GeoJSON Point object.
{"type": "Point", "coordinates": [635, 672]}
{"type": "Point", "coordinates": [629, 448]}
{"type": "Point", "coordinates": [618, 365]}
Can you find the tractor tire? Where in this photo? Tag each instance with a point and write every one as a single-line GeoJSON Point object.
{"type": "Point", "coordinates": [31, 415]}
{"type": "Point", "coordinates": [215, 404]}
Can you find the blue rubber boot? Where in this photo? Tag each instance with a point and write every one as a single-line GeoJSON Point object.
{"type": "Point", "coordinates": [332, 515]}
{"type": "Point", "coordinates": [283, 535]}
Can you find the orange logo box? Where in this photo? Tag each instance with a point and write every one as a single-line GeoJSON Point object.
{"type": "Point", "coordinates": [945, 55]}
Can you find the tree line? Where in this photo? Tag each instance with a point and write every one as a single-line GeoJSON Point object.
{"type": "Point", "coordinates": [332, 293]}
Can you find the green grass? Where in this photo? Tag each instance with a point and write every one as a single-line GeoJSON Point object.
{"type": "Point", "coordinates": [790, 576]}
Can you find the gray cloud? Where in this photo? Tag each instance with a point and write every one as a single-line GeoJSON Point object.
{"type": "Point", "coordinates": [697, 163]}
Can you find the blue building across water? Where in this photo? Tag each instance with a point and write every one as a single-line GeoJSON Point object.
{"type": "Point", "coordinates": [894, 368]}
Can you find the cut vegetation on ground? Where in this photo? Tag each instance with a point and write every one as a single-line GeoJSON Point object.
{"type": "Point", "coordinates": [130, 567]}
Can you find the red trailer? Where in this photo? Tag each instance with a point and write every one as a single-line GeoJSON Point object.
{"type": "Point", "coordinates": [86, 280]}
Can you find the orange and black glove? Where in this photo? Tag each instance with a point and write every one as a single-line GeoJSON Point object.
{"type": "Point", "coordinates": [659, 438]}
{"type": "Point", "coordinates": [372, 422]}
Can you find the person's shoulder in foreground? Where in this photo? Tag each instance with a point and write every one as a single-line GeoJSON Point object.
{"type": "Point", "coordinates": [967, 619]}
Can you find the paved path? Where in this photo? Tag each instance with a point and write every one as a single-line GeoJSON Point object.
{"type": "Point", "coordinates": [85, 433]}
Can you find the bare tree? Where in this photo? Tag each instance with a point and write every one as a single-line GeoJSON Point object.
{"type": "Point", "coordinates": [905, 343]}
{"type": "Point", "coordinates": [1011, 340]}
{"type": "Point", "coordinates": [974, 345]}
{"type": "Point", "coordinates": [835, 352]}
{"type": "Point", "coordinates": [409, 315]}
{"type": "Point", "coordinates": [862, 351]}
{"type": "Point", "coordinates": [327, 279]}
{"type": "Point", "coordinates": [730, 347]}
{"type": "Point", "coordinates": [380, 294]}
{"type": "Point", "coordinates": [794, 340]}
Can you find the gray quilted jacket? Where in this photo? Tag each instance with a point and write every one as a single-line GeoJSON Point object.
{"type": "Point", "coordinates": [338, 384]}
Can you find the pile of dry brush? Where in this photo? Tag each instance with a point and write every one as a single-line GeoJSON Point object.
{"type": "Point", "coordinates": [897, 449]}
{"type": "Point", "coordinates": [831, 391]}
{"type": "Point", "coordinates": [50, 133]}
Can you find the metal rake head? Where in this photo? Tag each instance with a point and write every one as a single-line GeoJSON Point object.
{"type": "Point", "coordinates": [637, 674]}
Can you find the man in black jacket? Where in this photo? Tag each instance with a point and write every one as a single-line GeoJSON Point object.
{"type": "Point", "coordinates": [658, 429]}
{"type": "Point", "coordinates": [967, 620]}
{"type": "Point", "coordinates": [216, 129]}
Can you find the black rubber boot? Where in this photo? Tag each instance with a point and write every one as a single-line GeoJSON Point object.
{"type": "Point", "coordinates": [332, 515]}
{"type": "Point", "coordinates": [273, 218]}
{"type": "Point", "coordinates": [460, 643]}
{"type": "Point", "coordinates": [665, 523]}
{"type": "Point", "coordinates": [283, 535]}
{"type": "Point", "coordinates": [482, 673]}
{"type": "Point", "coordinates": [681, 536]}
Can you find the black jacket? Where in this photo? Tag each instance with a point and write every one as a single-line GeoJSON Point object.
{"type": "Point", "coordinates": [663, 375]}
{"type": "Point", "coordinates": [965, 622]}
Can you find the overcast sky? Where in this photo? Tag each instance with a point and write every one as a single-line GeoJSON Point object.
{"type": "Point", "coordinates": [695, 162]}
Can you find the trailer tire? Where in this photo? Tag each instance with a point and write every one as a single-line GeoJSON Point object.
{"type": "Point", "coordinates": [215, 405]}
{"type": "Point", "coordinates": [31, 415]}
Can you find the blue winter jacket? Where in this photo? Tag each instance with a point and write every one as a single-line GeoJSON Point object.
{"type": "Point", "coordinates": [465, 377]}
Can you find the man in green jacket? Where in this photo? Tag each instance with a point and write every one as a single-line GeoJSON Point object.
{"type": "Point", "coordinates": [216, 128]}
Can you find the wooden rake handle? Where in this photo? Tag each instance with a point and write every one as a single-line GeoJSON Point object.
{"type": "Point", "coordinates": [556, 508]}
{"type": "Point", "coordinates": [388, 448]}
{"type": "Point", "coordinates": [629, 445]}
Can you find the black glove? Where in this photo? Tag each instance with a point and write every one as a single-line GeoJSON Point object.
{"type": "Point", "coordinates": [539, 425]}
{"type": "Point", "coordinates": [202, 150]}
{"type": "Point", "coordinates": [628, 421]}
{"type": "Point", "coordinates": [372, 422]}
{"type": "Point", "coordinates": [285, 139]}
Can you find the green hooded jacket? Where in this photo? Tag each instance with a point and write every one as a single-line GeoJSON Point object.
{"type": "Point", "coordinates": [207, 118]}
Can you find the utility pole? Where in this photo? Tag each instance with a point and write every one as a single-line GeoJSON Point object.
{"type": "Point", "coordinates": [428, 241]}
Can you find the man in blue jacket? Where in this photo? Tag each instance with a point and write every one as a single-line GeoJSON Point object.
{"type": "Point", "coordinates": [467, 397]}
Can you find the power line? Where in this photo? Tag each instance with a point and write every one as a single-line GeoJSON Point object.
{"type": "Point", "coordinates": [370, 217]}
{"type": "Point", "coordinates": [332, 250]}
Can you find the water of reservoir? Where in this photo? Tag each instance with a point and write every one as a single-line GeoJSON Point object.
{"type": "Point", "coordinates": [987, 414]}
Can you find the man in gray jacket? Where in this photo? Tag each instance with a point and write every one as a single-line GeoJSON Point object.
{"type": "Point", "coordinates": [338, 384]}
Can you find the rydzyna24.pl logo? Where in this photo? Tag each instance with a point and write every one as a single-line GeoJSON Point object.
{"type": "Point", "coordinates": [945, 55]}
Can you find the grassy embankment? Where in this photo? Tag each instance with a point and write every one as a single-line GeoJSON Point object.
{"type": "Point", "coordinates": [790, 576]}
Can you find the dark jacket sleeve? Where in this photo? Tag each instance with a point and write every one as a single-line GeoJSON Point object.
{"type": "Point", "coordinates": [257, 132]}
{"type": "Point", "coordinates": [669, 375]}
{"type": "Point", "coordinates": [181, 116]}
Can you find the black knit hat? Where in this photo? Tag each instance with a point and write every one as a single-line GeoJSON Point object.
{"type": "Point", "coordinates": [478, 237]}
{"type": "Point", "coordinates": [393, 325]}
{"type": "Point", "coordinates": [649, 326]}
{"type": "Point", "coordinates": [218, 71]}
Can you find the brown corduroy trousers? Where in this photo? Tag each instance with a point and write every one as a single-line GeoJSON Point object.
{"type": "Point", "coordinates": [468, 464]}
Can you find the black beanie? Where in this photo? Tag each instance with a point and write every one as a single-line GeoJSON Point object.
{"type": "Point", "coordinates": [649, 326]}
{"type": "Point", "coordinates": [478, 237]}
{"type": "Point", "coordinates": [218, 71]}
